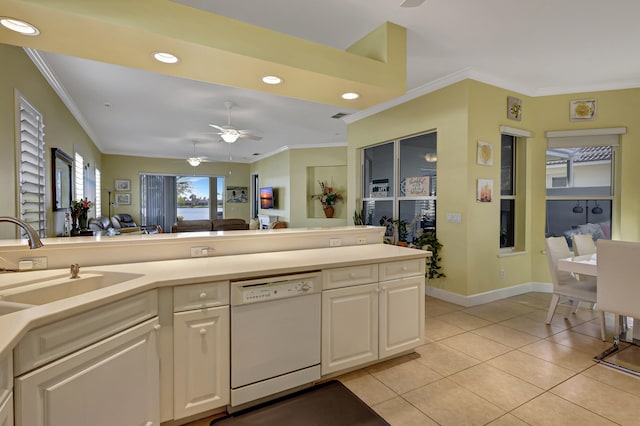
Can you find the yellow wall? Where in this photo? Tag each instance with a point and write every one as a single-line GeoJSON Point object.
{"type": "Point", "coordinates": [445, 111]}
{"type": "Point", "coordinates": [274, 171]}
{"type": "Point", "coordinates": [470, 111]}
{"type": "Point", "coordinates": [61, 131]}
{"type": "Point", "coordinates": [127, 167]}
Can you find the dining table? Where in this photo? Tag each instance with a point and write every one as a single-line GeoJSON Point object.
{"type": "Point", "coordinates": [588, 265]}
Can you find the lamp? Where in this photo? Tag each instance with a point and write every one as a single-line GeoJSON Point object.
{"type": "Point", "coordinates": [597, 209]}
{"type": "Point", "coordinates": [194, 161]}
{"type": "Point", "coordinates": [430, 157]}
{"type": "Point", "coordinates": [230, 136]}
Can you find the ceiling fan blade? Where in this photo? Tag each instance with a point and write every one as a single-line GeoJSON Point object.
{"type": "Point", "coordinates": [215, 126]}
{"type": "Point", "coordinates": [247, 134]}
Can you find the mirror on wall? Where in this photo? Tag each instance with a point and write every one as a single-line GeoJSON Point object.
{"type": "Point", "coordinates": [61, 179]}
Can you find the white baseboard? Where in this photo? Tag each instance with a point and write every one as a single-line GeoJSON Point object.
{"type": "Point", "coordinates": [489, 296]}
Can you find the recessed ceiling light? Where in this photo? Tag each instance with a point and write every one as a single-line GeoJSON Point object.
{"type": "Point", "coordinates": [350, 96]}
{"type": "Point", "coordinates": [19, 26]}
{"type": "Point", "coordinates": [165, 57]}
{"type": "Point", "coordinates": [271, 79]}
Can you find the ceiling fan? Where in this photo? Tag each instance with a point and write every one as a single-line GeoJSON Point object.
{"type": "Point", "coordinates": [230, 134]}
{"type": "Point", "coordinates": [195, 160]}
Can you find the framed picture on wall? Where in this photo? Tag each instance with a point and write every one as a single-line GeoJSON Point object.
{"type": "Point", "coordinates": [485, 190]}
{"type": "Point", "coordinates": [123, 185]}
{"type": "Point", "coordinates": [485, 153]}
{"type": "Point", "coordinates": [123, 199]}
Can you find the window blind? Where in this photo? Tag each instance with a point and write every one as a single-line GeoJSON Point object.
{"type": "Point", "coordinates": [32, 167]}
{"type": "Point", "coordinates": [98, 198]}
{"type": "Point", "coordinates": [79, 178]}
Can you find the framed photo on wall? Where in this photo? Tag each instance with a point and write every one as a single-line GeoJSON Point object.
{"type": "Point", "coordinates": [123, 199]}
{"type": "Point", "coordinates": [485, 153]}
{"type": "Point", "coordinates": [123, 185]}
{"type": "Point", "coordinates": [485, 190]}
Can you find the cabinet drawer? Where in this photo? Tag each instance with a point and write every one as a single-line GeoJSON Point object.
{"type": "Point", "coordinates": [402, 269]}
{"type": "Point", "coordinates": [348, 276]}
{"type": "Point", "coordinates": [197, 296]}
{"type": "Point", "coordinates": [45, 344]}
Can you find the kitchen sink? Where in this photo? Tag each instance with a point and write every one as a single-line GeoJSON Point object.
{"type": "Point", "coordinates": [9, 307]}
{"type": "Point", "coordinates": [58, 288]}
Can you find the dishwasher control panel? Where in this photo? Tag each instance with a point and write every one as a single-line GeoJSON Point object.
{"type": "Point", "coordinates": [273, 288]}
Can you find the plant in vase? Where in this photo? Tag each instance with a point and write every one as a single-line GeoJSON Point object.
{"type": "Point", "coordinates": [79, 214]}
{"type": "Point", "coordinates": [327, 198]}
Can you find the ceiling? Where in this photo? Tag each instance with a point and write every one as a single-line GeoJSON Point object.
{"type": "Point", "coordinates": [530, 47]}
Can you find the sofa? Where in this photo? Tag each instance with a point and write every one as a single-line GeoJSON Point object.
{"type": "Point", "coordinates": [206, 225]}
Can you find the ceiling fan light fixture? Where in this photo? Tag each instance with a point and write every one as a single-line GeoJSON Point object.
{"type": "Point", "coordinates": [19, 26]}
{"type": "Point", "coordinates": [229, 137]}
{"type": "Point", "coordinates": [165, 58]}
{"type": "Point", "coordinates": [194, 161]}
{"type": "Point", "coordinates": [350, 96]}
{"type": "Point", "coordinates": [272, 79]}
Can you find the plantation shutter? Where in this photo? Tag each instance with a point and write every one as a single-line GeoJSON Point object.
{"type": "Point", "coordinates": [31, 169]}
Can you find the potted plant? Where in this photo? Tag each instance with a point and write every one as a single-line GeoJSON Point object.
{"type": "Point", "coordinates": [427, 240]}
{"type": "Point", "coordinates": [328, 198]}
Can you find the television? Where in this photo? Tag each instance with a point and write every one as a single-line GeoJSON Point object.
{"type": "Point", "coordinates": [267, 200]}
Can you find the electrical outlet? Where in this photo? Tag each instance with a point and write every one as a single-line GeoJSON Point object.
{"type": "Point", "coordinates": [361, 240]}
{"type": "Point", "coordinates": [335, 242]}
{"type": "Point", "coordinates": [200, 251]}
{"type": "Point", "coordinates": [37, 262]}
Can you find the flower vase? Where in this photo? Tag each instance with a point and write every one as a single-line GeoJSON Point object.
{"type": "Point", "coordinates": [328, 211]}
{"type": "Point", "coordinates": [74, 224]}
{"type": "Point", "coordinates": [82, 220]}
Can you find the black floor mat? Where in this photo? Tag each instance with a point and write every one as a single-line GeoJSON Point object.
{"type": "Point", "coordinates": [329, 403]}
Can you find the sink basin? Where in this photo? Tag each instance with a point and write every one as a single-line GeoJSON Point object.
{"type": "Point", "coordinates": [57, 288]}
{"type": "Point", "coordinates": [8, 307]}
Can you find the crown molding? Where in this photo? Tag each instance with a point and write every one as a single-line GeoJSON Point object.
{"type": "Point", "coordinates": [51, 78]}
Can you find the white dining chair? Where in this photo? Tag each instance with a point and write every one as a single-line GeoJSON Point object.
{"type": "Point", "coordinates": [565, 284]}
{"type": "Point", "coordinates": [618, 272]}
{"type": "Point", "coordinates": [583, 244]}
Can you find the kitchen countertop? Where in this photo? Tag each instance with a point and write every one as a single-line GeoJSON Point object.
{"type": "Point", "coordinates": [169, 273]}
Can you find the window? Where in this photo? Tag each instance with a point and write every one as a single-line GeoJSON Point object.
{"type": "Point", "coordinates": [507, 191]}
{"type": "Point", "coordinates": [512, 188]}
{"type": "Point", "coordinates": [399, 184]}
{"type": "Point", "coordinates": [98, 197]}
{"type": "Point", "coordinates": [79, 175]}
{"type": "Point", "coordinates": [165, 197]}
{"type": "Point", "coordinates": [31, 170]}
{"type": "Point", "coordinates": [586, 163]}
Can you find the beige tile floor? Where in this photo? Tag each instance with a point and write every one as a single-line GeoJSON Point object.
{"type": "Point", "coordinates": [500, 364]}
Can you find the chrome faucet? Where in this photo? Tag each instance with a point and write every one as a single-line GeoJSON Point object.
{"type": "Point", "coordinates": [32, 235]}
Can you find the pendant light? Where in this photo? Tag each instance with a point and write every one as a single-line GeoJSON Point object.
{"type": "Point", "coordinates": [578, 208]}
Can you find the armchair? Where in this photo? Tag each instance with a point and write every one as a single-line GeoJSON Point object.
{"type": "Point", "coordinates": [123, 220]}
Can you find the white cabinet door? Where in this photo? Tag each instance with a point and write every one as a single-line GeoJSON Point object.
{"type": "Point", "coordinates": [112, 382]}
{"type": "Point", "coordinates": [6, 411]}
{"type": "Point", "coordinates": [201, 360]}
{"type": "Point", "coordinates": [401, 315]}
{"type": "Point", "coordinates": [349, 327]}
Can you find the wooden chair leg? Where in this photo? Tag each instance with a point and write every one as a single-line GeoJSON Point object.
{"type": "Point", "coordinates": [552, 307]}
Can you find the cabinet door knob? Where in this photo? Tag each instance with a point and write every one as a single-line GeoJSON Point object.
{"type": "Point", "coordinates": [203, 331]}
{"type": "Point", "coordinates": [148, 424]}
{"type": "Point", "coordinates": [156, 327]}
{"type": "Point", "coordinates": [404, 268]}
{"type": "Point", "coordinates": [203, 295]}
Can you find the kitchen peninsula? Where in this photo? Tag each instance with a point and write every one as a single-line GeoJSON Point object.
{"type": "Point", "coordinates": [149, 342]}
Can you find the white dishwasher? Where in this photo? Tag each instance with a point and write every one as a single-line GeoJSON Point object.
{"type": "Point", "coordinates": [275, 335]}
